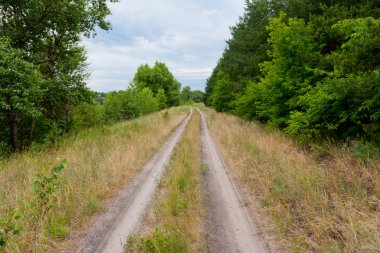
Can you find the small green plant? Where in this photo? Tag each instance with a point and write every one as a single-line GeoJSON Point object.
{"type": "Point", "coordinates": [47, 182]}
{"type": "Point", "coordinates": [177, 203]}
{"type": "Point", "coordinates": [159, 241]}
{"type": "Point", "coordinates": [58, 227]}
{"type": "Point", "coordinates": [205, 169]}
{"type": "Point", "coordinates": [8, 226]}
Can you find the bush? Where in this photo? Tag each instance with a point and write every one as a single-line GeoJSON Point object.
{"type": "Point", "coordinates": [129, 104]}
{"type": "Point", "coordinates": [87, 115]}
{"type": "Point", "coordinates": [5, 149]}
{"type": "Point", "coordinates": [47, 183]}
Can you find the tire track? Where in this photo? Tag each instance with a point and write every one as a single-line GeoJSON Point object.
{"type": "Point", "coordinates": [123, 217]}
{"type": "Point", "coordinates": [228, 224]}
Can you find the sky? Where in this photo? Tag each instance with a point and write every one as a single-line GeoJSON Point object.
{"type": "Point", "coordinates": [189, 36]}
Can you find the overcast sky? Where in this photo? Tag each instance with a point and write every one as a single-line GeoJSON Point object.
{"type": "Point", "coordinates": [189, 36]}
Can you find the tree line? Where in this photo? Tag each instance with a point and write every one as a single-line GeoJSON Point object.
{"type": "Point", "coordinates": [311, 68]}
{"type": "Point", "coordinates": [42, 65]}
{"type": "Point", "coordinates": [43, 92]}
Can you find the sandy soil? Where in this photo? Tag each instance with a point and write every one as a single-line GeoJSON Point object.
{"type": "Point", "coordinates": [124, 216]}
{"type": "Point", "coordinates": [229, 227]}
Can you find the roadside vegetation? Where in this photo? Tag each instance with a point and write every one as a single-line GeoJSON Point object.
{"type": "Point", "coordinates": [310, 68]}
{"type": "Point", "coordinates": [174, 224]}
{"type": "Point", "coordinates": [46, 195]}
{"type": "Point", "coordinates": [322, 199]}
{"type": "Point", "coordinates": [43, 74]}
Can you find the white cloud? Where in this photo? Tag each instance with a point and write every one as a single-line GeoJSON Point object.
{"type": "Point", "coordinates": [189, 36]}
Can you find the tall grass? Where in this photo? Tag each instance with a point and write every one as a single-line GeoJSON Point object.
{"type": "Point", "coordinates": [316, 203]}
{"type": "Point", "coordinates": [174, 223]}
{"type": "Point", "coordinates": [101, 161]}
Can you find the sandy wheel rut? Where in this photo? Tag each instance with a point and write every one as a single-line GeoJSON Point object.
{"type": "Point", "coordinates": [110, 233]}
{"type": "Point", "coordinates": [229, 226]}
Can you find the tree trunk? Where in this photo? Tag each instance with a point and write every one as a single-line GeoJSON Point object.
{"type": "Point", "coordinates": [32, 127]}
{"type": "Point", "coordinates": [13, 127]}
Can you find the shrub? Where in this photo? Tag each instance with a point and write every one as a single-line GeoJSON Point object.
{"type": "Point", "coordinates": [47, 182]}
{"type": "Point", "coordinates": [87, 115]}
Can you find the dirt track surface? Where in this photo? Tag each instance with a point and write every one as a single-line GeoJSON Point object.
{"type": "Point", "coordinates": [228, 225]}
{"type": "Point", "coordinates": [123, 218]}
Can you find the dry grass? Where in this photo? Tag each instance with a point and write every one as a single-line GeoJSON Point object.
{"type": "Point", "coordinates": [315, 204]}
{"type": "Point", "coordinates": [175, 221]}
{"type": "Point", "coordinates": [100, 162]}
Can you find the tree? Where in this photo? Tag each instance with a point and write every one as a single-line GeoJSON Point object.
{"type": "Point", "coordinates": [222, 95]}
{"type": "Point", "coordinates": [197, 96]}
{"type": "Point", "coordinates": [347, 102]}
{"type": "Point", "coordinates": [289, 74]}
{"type": "Point", "coordinates": [49, 32]}
{"type": "Point", "coordinates": [186, 94]}
{"type": "Point", "coordinates": [158, 77]}
{"type": "Point", "coordinates": [161, 98]}
{"type": "Point", "coordinates": [146, 102]}
{"type": "Point", "coordinates": [20, 89]}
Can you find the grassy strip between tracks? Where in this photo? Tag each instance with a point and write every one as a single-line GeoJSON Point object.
{"type": "Point", "coordinates": [174, 223]}
{"type": "Point", "coordinates": [100, 161]}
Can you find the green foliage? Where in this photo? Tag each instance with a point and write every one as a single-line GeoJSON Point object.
{"type": "Point", "coordinates": [347, 102]}
{"type": "Point", "coordinates": [57, 227]}
{"type": "Point", "coordinates": [5, 149]}
{"type": "Point", "coordinates": [87, 115]}
{"type": "Point", "coordinates": [156, 78]}
{"type": "Point", "coordinates": [146, 102]}
{"type": "Point", "coordinates": [186, 94]}
{"type": "Point", "coordinates": [189, 96]}
{"type": "Point", "coordinates": [20, 91]}
{"type": "Point", "coordinates": [311, 68]}
{"type": "Point", "coordinates": [161, 98]}
{"type": "Point", "coordinates": [289, 74]}
{"type": "Point", "coordinates": [8, 226]}
{"type": "Point", "coordinates": [43, 69]}
{"type": "Point", "coordinates": [222, 95]}
{"type": "Point", "coordinates": [47, 182]}
{"type": "Point", "coordinates": [129, 104]}
{"type": "Point", "coordinates": [160, 241]}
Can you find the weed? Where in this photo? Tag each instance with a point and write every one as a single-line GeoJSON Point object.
{"type": "Point", "coordinates": [161, 241]}
{"type": "Point", "coordinates": [205, 169]}
{"type": "Point", "coordinates": [47, 182]}
{"type": "Point", "coordinates": [93, 203]}
{"type": "Point", "coordinates": [8, 226]}
{"type": "Point", "coordinates": [177, 203]}
{"type": "Point", "coordinates": [58, 227]}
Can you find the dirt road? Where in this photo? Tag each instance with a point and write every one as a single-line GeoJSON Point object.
{"type": "Point", "coordinates": [228, 225]}
{"type": "Point", "coordinates": [111, 231]}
